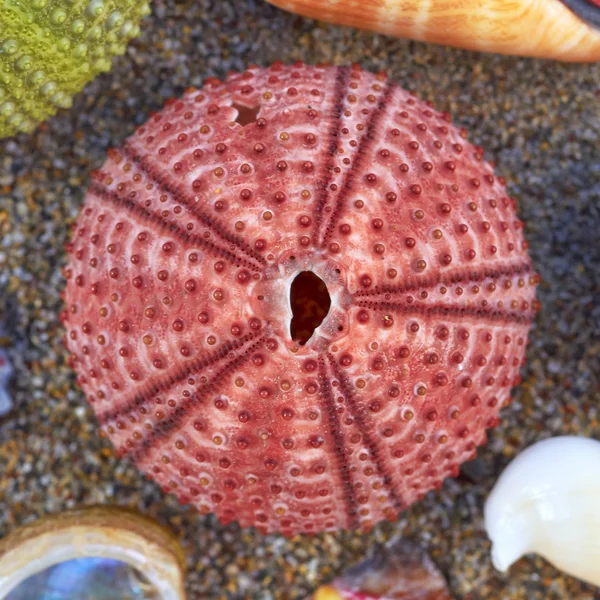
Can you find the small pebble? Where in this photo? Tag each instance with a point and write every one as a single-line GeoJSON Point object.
{"type": "Point", "coordinates": [5, 373]}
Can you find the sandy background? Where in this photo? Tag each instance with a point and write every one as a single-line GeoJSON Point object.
{"type": "Point", "coordinates": [539, 120]}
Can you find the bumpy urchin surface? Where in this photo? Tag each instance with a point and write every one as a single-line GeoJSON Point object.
{"type": "Point", "coordinates": [183, 284]}
{"type": "Point", "coordinates": [49, 49]}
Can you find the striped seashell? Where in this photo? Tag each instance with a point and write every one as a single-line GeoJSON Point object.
{"type": "Point", "coordinates": [567, 30]}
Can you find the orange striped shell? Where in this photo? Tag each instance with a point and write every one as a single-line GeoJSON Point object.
{"type": "Point", "coordinates": [541, 28]}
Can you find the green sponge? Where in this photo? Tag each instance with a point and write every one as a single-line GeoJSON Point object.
{"type": "Point", "coordinates": [49, 49]}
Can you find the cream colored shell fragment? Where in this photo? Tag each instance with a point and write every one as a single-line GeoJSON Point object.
{"type": "Point", "coordinates": [542, 28]}
{"type": "Point", "coordinates": [547, 501]}
{"type": "Point", "coordinates": [94, 532]}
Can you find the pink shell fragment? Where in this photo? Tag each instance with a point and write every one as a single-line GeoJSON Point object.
{"type": "Point", "coordinates": [399, 571]}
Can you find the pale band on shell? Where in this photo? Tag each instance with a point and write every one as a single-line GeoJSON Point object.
{"type": "Point", "coordinates": [547, 502]}
{"type": "Point", "coordinates": [541, 28]}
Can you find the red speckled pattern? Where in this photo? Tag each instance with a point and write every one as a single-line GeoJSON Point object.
{"type": "Point", "coordinates": [178, 309]}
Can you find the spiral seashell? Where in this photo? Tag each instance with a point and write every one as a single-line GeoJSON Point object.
{"type": "Point", "coordinates": [546, 501]}
{"type": "Point", "coordinates": [49, 49]}
{"type": "Point", "coordinates": [567, 30]}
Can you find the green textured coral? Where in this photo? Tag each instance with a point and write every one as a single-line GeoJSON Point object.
{"type": "Point", "coordinates": [49, 49]}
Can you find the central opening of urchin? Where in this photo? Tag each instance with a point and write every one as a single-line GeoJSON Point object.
{"type": "Point", "coordinates": [310, 301]}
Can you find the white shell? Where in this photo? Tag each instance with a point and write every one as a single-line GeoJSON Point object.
{"type": "Point", "coordinates": [547, 501]}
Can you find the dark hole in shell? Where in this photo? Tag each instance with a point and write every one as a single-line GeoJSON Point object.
{"type": "Point", "coordinates": [310, 303]}
{"type": "Point", "coordinates": [246, 114]}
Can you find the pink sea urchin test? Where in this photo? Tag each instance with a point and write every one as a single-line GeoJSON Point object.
{"type": "Point", "coordinates": [297, 298]}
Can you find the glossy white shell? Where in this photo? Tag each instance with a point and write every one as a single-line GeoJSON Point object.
{"type": "Point", "coordinates": [547, 501]}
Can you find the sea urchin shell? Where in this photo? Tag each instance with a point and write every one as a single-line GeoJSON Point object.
{"type": "Point", "coordinates": [49, 49]}
{"type": "Point", "coordinates": [298, 298]}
